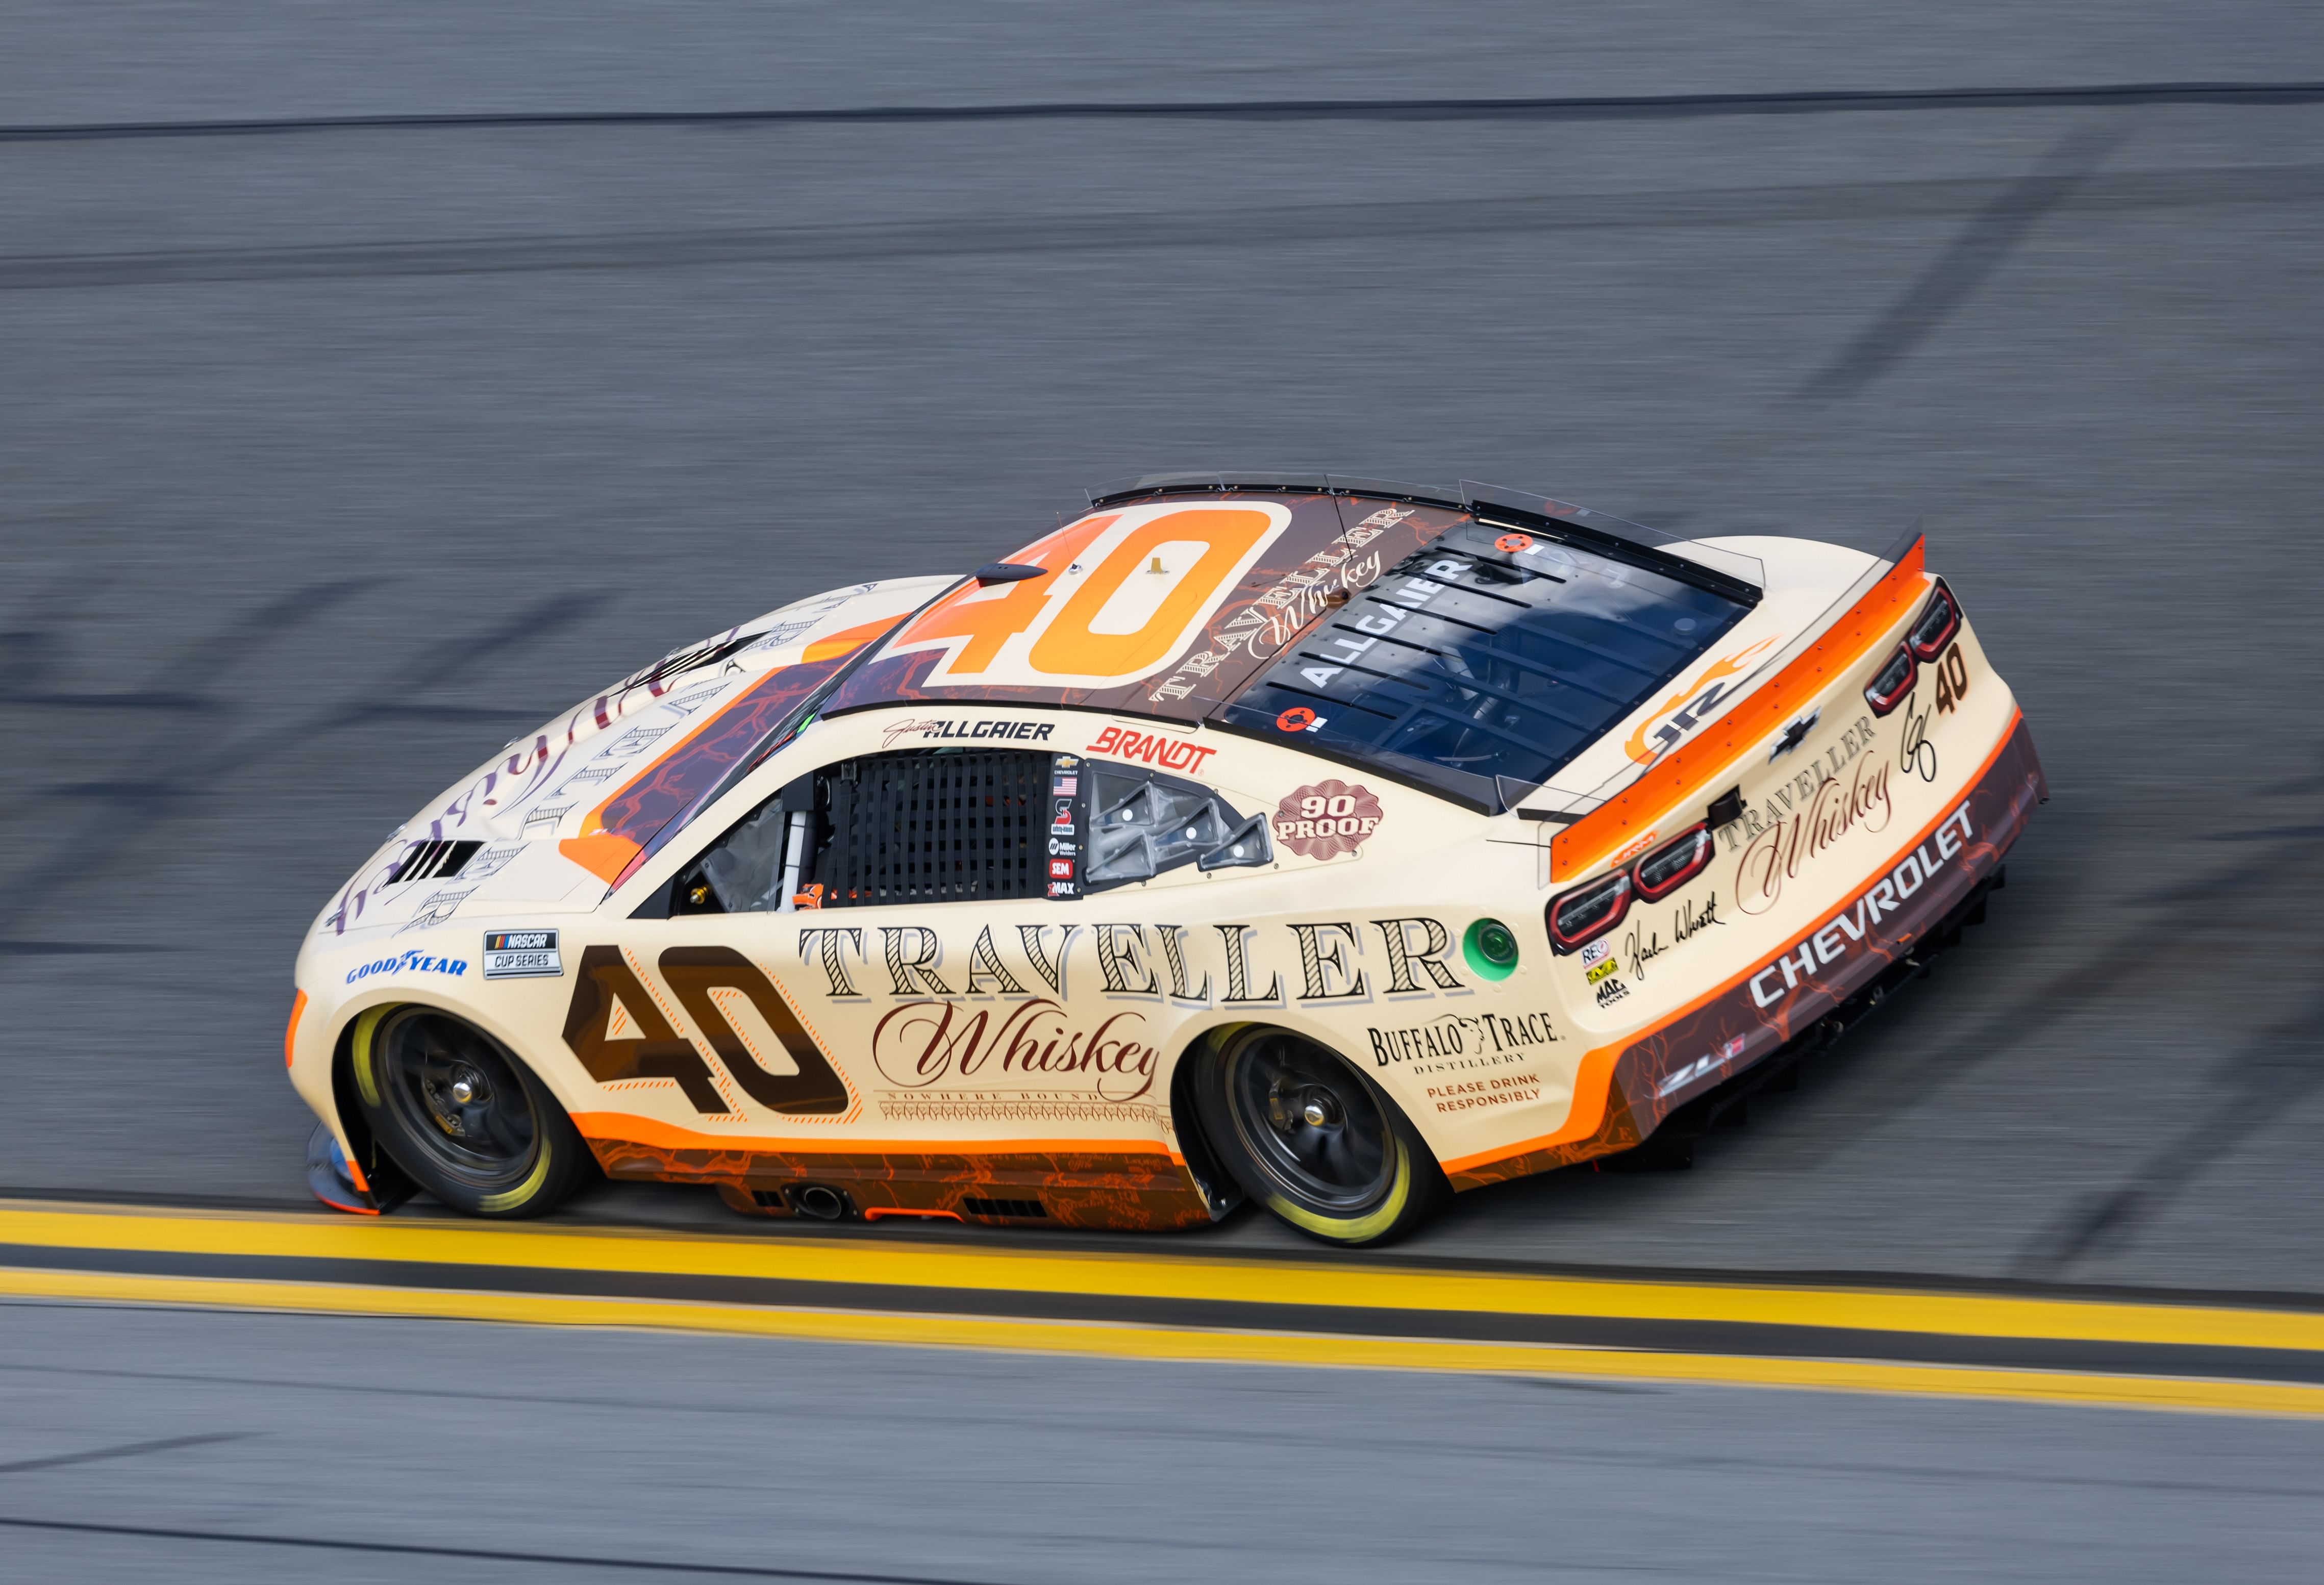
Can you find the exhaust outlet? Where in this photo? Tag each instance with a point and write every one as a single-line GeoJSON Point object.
{"type": "Point", "coordinates": [819, 1202]}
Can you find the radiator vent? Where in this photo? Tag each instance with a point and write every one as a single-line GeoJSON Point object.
{"type": "Point", "coordinates": [433, 860]}
{"type": "Point", "coordinates": [976, 1206]}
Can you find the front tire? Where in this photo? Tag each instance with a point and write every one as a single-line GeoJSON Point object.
{"type": "Point", "coordinates": [462, 1116]}
{"type": "Point", "coordinates": [1313, 1139]}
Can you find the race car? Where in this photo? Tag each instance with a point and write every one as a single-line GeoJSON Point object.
{"type": "Point", "coordinates": [1329, 844]}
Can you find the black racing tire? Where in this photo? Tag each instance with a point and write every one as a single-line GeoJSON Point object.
{"type": "Point", "coordinates": [465, 1119]}
{"type": "Point", "coordinates": [1313, 1139]}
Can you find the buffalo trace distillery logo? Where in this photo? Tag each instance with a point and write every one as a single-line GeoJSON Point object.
{"type": "Point", "coordinates": [924, 1044]}
{"type": "Point", "coordinates": [1326, 819]}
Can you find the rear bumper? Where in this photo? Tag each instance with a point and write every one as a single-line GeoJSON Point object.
{"type": "Point", "coordinates": [1786, 994]}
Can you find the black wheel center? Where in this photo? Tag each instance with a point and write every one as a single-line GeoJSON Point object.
{"type": "Point", "coordinates": [1310, 1120]}
{"type": "Point", "coordinates": [458, 1095]}
{"type": "Point", "coordinates": [460, 1099]}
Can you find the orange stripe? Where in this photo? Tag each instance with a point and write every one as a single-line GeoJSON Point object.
{"type": "Point", "coordinates": [1594, 1081]}
{"type": "Point", "coordinates": [621, 1126]}
{"type": "Point", "coordinates": [601, 854]}
{"type": "Point", "coordinates": [290, 1030]}
{"type": "Point", "coordinates": [1695, 766]}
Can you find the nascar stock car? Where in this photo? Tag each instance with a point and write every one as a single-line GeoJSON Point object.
{"type": "Point", "coordinates": [1319, 840]}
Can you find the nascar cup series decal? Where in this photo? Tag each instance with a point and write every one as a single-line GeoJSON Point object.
{"type": "Point", "coordinates": [521, 954]}
{"type": "Point", "coordinates": [1327, 819]}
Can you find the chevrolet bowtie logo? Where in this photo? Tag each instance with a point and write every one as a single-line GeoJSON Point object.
{"type": "Point", "coordinates": [1794, 735]}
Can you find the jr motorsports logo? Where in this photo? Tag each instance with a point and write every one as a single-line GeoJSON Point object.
{"type": "Point", "coordinates": [1684, 709]}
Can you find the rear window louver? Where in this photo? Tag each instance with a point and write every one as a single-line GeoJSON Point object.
{"type": "Point", "coordinates": [432, 861]}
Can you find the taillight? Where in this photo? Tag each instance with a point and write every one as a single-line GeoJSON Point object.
{"type": "Point", "coordinates": [1674, 864]}
{"type": "Point", "coordinates": [1588, 911]}
{"type": "Point", "coordinates": [1886, 690]}
{"type": "Point", "coordinates": [1940, 619]}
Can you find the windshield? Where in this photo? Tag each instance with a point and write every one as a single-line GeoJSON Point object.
{"type": "Point", "coordinates": [1488, 657]}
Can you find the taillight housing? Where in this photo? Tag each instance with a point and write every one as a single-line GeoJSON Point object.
{"type": "Point", "coordinates": [1888, 686]}
{"type": "Point", "coordinates": [1939, 621]}
{"type": "Point", "coordinates": [1937, 625]}
{"type": "Point", "coordinates": [1588, 912]}
{"type": "Point", "coordinates": [1672, 864]}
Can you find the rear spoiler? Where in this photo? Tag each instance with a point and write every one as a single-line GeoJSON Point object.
{"type": "Point", "coordinates": [1854, 624]}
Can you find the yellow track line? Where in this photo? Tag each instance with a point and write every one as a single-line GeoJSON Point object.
{"type": "Point", "coordinates": [1186, 1345]}
{"type": "Point", "coordinates": [1185, 1277]}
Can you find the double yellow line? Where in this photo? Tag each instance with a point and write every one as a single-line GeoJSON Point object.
{"type": "Point", "coordinates": [964, 1273]}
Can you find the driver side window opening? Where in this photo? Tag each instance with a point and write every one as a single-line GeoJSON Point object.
{"type": "Point", "coordinates": [919, 825]}
{"type": "Point", "coordinates": [963, 825]}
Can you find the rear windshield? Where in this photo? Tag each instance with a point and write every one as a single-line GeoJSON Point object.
{"type": "Point", "coordinates": [1485, 658]}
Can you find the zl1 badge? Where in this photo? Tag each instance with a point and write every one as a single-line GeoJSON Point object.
{"type": "Point", "coordinates": [521, 954]}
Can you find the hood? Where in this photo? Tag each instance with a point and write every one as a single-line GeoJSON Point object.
{"type": "Point", "coordinates": [553, 821]}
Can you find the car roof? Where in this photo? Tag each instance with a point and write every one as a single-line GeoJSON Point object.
{"type": "Point", "coordinates": [1174, 590]}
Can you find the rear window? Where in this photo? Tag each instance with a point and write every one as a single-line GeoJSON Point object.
{"type": "Point", "coordinates": [1487, 658]}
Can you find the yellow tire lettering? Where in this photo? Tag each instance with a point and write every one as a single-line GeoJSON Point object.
{"type": "Point", "coordinates": [366, 1079]}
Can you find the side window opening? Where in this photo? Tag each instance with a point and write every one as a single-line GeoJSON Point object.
{"type": "Point", "coordinates": [963, 825]}
{"type": "Point", "coordinates": [916, 826]}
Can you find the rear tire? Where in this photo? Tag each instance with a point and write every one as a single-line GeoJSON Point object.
{"type": "Point", "coordinates": [1313, 1139]}
{"type": "Point", "coordinates": [462, 1116]}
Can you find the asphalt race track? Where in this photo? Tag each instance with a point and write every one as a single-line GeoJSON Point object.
{"type": "Point", "coordinates": [381, 380]}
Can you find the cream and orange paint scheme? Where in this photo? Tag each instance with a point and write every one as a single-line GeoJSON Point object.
{"type": "Point", "coordinates": [957, 1054]}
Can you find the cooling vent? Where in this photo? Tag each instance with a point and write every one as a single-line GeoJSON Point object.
{"type": "Point", "coordinates": [432, 861]}
{"type": "Point", "coordinates": [976, 1206]}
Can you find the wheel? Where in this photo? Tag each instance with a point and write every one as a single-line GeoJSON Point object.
{"type": "Point", "coordinates": [463, 1118]}
{"type": "Point", "coordinates": [1313, 1139]}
